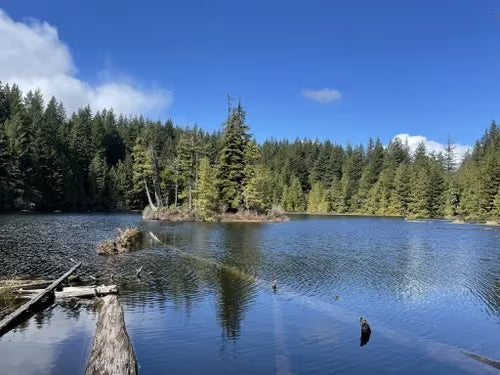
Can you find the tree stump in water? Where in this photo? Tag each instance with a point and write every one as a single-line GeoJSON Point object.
{"type": "Point", "coordinates": [112, 352]}
{"type": "Point", "coordinates": [125, 242]}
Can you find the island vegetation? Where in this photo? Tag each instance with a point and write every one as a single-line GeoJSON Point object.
{"type": "Point", "coordinates": [50, 160]}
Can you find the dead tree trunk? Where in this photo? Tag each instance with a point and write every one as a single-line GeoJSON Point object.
{"type": "Point", "coordinates": [176, 188]}
{"type": "Point", "coordinates": [149, 197]}
{"type": "Point", "coordinates": [112, 353]}
{"type": "Point", "coordinates": [156, 180]}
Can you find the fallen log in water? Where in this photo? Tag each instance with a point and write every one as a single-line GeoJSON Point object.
{"type": "Point", "coordinates": [47, 293]}
{"type": "Point", "coordinates": [484, 360]}
{"type": "Point", "coordinates": [112, 352]}
{"type": "Point", "coordinates": [125, 242]}
{"type": "Point", "coordinates": [76, 291]}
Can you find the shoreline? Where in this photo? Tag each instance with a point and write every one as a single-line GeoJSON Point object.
{"type": "Point", "coordinates": [490, 221]}
{"type": "Point", "coordinates": [252, 218]}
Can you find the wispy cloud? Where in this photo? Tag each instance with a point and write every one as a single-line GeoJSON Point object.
{"type": "Point", "coordinates": [33, 56]}
{"type": "Point", "coordinates": [432, 146]}
{"type": "Point", "coordinates": [323, 96]}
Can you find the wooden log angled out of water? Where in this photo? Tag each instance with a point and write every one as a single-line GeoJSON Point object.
{"type": "Point", "coordinates": [76, 291]}
{"type": "Point", "coordinates": [112, 352]}
{"type": "Point", "coordinates": [47, 293]}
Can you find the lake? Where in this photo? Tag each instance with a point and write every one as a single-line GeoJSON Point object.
{"type": "Point", "coordinates": [205, 305]}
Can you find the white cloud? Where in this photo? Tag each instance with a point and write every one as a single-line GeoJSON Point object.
{"type": "Point", "coordinates": [33, 56]}
{"type": "Point", "coordinates": [431, 146]}
{"type": "Point", "coordinates": [323, 96]}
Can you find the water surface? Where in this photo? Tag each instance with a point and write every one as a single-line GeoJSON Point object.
{"type": "Point", "coordinates": [205, 304]}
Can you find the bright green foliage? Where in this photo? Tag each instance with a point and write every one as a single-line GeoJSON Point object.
{"type": "Point", "coordinates": [321, 164]}
{"type": "Point", "coordinates": [388, 205]}
{"type": "Point", "coordinates": [207, 188]}
{"type": "Point", "coordinates": [402, 188]}
{"type": "Point", "coordinates": [187, 164]}
{"type": "Point", "coordinates": [335, 196]}
{"type": "Point", "coordinates": [351, 174]}
{"type": "Point", "coordinates": [489, 181]}
{"type": "Point", "coordinates": [317, 199]}
{"type": "Point", "coordinates": [418, 206]}
{"type": "Point", "coordinates": [372, 206]}
{"type": "Point", "coordinates": [142, 170]}
{"type": "Point", "coordinates": [257, 192]}
{"type": "Point", "coordinates": [450, 156]}
{"type": "Point", "coordinates": [293, 199]}
{"type": "Point", "coordinates": [496, 202]}
{"type": "Point", "coordinates": [452, 199]}
{"type": "Point", "coordinates": [436, 192]}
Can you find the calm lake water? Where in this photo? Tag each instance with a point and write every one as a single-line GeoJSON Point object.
{"type": "Point", "coordinates": [205, 305]}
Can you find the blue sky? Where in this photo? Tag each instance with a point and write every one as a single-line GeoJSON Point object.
{"type": "Point", "coordinates": [427, 68]}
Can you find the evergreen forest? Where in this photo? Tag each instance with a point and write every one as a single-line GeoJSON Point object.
{"type": "Point", "coordinates": [52, 160]}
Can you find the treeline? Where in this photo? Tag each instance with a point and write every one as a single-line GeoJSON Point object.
{"type": "Point", "coordinates": [105, 161]}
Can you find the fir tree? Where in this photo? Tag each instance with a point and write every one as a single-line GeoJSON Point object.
{"type": "Point", "coordinates": [450, 156]}
{"type": "Point", "coordinates": [98, 173]}
{"type": "Point", "coordinates": [293, 197]}
{"type": "Point", "coordinates": [231, 170]}
{"type": "Point", "coordinates": [418, 206]}
{"type": "Point", "coordinates": [142, 171]}
{"type": "Point", "coordinates": [402, 191]}
{"type": "Point", "coordinates": [317, 201]}
{"type": "Point", "coordinates": [335, 196]}
{"type": "Point", "coordinates": [496, 203]}
{"type": "Point", "coordinates": [207, 196]}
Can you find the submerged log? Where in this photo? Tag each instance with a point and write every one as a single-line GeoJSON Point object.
{"type": "Point", "coordinates": [125, 242]}
{"type": "Point", "coordinates": [112, 352]}
{"type": "Point", "coordinates": [484, 360]}
{"type": "Point", "coordinates": [77, 291]}
{"type": "Point", "coordinates": [44, 295]}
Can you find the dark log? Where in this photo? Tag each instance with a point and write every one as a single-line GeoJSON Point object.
{"type": "Point", "coordinates": [112, 353]}
{"type": "Point", "coordinates": [365, 331]}
{"type": "Point", "coordinates": [43, 296]}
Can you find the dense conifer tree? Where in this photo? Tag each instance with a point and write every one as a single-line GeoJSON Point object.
{"type": "Point", "coordinates": [231, 169]}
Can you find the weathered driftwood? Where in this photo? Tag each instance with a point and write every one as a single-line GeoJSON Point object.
{"type": "Point", "coordinates": [112, 352]}
{"type": "Point", "coordinates": [125, 242]}
{"type": "Point", "coordinates": [48, 292]}
{"type": "Point", "coordinates": [77, 291]}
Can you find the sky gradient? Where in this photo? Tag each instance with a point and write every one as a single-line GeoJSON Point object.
{"type": "Point", "coordinates": [344, 70]}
